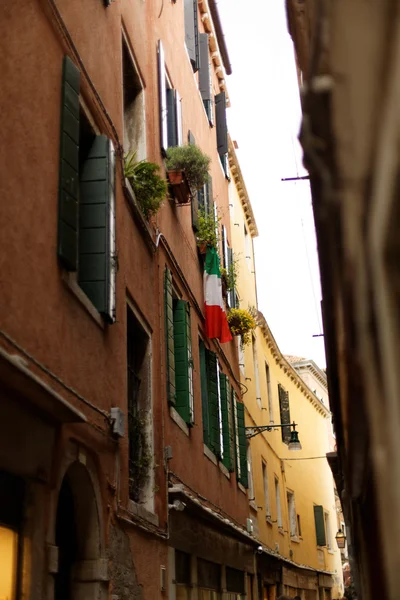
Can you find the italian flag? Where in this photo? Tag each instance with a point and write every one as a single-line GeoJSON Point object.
{"type": "Point", "coordinates": [216, 321]}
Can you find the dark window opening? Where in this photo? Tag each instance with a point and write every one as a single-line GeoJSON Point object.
{"type": "Point", "coordinates": [182, 567]}
{"type": "Point", "coordinates": [86, 138]}
{"type": "Point", "coordinates": [134, 125]}
{"type": "Point", "coordinates": [235, 580]}
{"type": "Point", "coordinates": [138, 363]}
{"type": "Point", "coordinates": [66, 540]}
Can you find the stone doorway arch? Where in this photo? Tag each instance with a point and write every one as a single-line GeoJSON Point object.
{"type": "Point", "coordinates": [81, 572]}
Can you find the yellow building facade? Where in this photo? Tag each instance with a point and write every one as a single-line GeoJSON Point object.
{"type": "Point", "coordinates": [291, 494]}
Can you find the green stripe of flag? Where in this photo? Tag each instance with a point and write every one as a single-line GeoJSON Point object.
{"type": "Point", "coordinates": [212, 262]}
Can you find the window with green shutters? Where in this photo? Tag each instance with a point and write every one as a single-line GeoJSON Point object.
{"type": "Point", "coordinates": [210, 398]}
{"type": "Point", "coordinates": [319, 520]}
{"type": "Point", "coordinates": [228, 446]}
{"type": "Point", "coordinates": [68, 195]}
{"type": "Point", "coordinates": [86, 205]}
{"type": "Point", "coordinates": [178, 352]}
{"type": "Point", "coordinates": [240, 442]}
{"type": "Point", "coordinates": [204, 392]}
{"type": "Point", "coordinates": [284, 413]}
{"type": "Point", "coordinates": [213, 408]}
{"type": "Point", "coordinates": [184, 401]}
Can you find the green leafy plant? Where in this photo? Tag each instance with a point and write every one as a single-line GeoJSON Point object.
{"type": "Point", "coordinates": [229, 276]}
{"type": "Point", "coordinates": [149, 188]}
{"type": "Point", "coordinates": [191, 160]}
{"type": "Point", "coordinates": [241, 322]}
{"type": "Point", "coordinates": [141, 459]}
{"type": "Point", "coordinates": [207, 232]}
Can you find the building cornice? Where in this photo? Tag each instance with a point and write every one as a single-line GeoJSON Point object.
{"type": "Point", "coordinates": [310, 365]}
{"type": "Point", "coordinates": [241, 188]}
{"type": "Point", "coordinates": [288, 369]}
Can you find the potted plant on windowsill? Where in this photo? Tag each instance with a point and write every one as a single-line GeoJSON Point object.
{"type": "Point", "coordinates": [229, 277]}
{"type": "Point", "coordinates": [241, 322]}
{"type": "Point", "coordinates": [187, 170]}
{"type": "Point", "coordinates": [149, 188]}
{"type": "Point", "coordinates": [207, 232]}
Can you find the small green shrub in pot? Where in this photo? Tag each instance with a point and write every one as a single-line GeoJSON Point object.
{"type": "Point", "coordinates": [149, 188]}
{"type": "Point", "coordinates": [192, 161]}
{"type": "Point", "coordinates": [229, 276]}
{"type": "Point", "coordinates": [207, 232]}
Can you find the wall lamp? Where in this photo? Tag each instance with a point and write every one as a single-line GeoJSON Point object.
{"type": "Point", "coordinates": [340, 539]}
{"type": "Point", "coordinates": [294, 443]}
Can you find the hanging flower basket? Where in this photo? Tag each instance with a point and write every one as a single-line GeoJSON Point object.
{"type": "Point", "coordinates": [241, 322]}
{"type": "Point", "coordinates": [179, 186]}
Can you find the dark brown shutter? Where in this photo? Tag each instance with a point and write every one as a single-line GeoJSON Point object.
{"type": "Point", "coordinates": [204, 71]}
{"type": "Point", "coordinates": [284, 412]}
{"type": "Point", "coordinates": [220, 116]}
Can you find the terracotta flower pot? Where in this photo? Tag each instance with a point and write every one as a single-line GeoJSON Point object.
{"type": "Point", "coordinates": [179, 185]}
{"type": "Point", "coordinates": [202, 246]}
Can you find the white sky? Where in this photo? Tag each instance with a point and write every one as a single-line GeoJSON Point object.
{"type": "Point", "coordinates": [264, 119]}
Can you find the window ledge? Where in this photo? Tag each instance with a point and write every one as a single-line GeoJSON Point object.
{"type": "Point", "coordinates": [210, 455]}
{"type": "Point", "coordinates": [269, 521]}
{"type": "Point", "coordinates": [176, 417]}
{"type": "Point", "coordinates": [138, 510]}
{"type": "Point", "coordinates": [138, 216]}
{"type": "Point", "coordinates": [253, 506]}
{"type": "Point", "coordinates": [72, 284]}
{"type": "Point", "coordinates": [295, 539]}
{"type": "Point", "coordinates": [280, 530]}
{"type": "Point", "coordinates": [330, 551]}
{"type": "Point", "coordinates": [224, 470]}
{"type": "Point", "coordinates": [242, 488]}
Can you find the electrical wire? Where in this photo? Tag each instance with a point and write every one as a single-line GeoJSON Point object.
{"type": "Point", "coordinates": [305, 458]}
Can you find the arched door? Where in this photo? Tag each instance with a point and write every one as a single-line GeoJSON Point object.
{"type": "Point", "coordinates": [77, 533]}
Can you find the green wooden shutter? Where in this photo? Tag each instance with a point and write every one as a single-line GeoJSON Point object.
{"type": "Point", "coordinates": [284, 413]}
{"type": "Point", "coordinates": [69, 167]}
{"type": "Point", "coordinates": [169, 336]}
{"type": "Point", "coordinates": [227, 433]}
{"type": "Point", "coordinates": [320, 525]}
{"type": "Point", "coordinates": [204, 393]}
{"type": "Point", "coordinates": [222, 130]}
{"type": "Point", "coordinates": [171, 118]}
{"type": "Point", "coordinates": [96, 273]}
{"type": "Point", "coordinates": [242, 444]}
{"type": "Point", "coordinates": [213, 413]}
{"type": "Point", "coordinates": [183, 358]}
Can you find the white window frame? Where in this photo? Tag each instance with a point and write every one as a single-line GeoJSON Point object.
{"type": "Point", "coordinates": [256, 371]}
{"type": "Point", "coordinates": [292, 514]}
{"type": "Point", "coordinates": [249, 472]}
{"type": "Point", "coordinates": [328, 532]}
{"type": "Point", "coordinates": [278, 503]}
{"type": "Point", "coordinates": [266, 490]}
{"type": "Point", "coordinates": [269, 393]}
